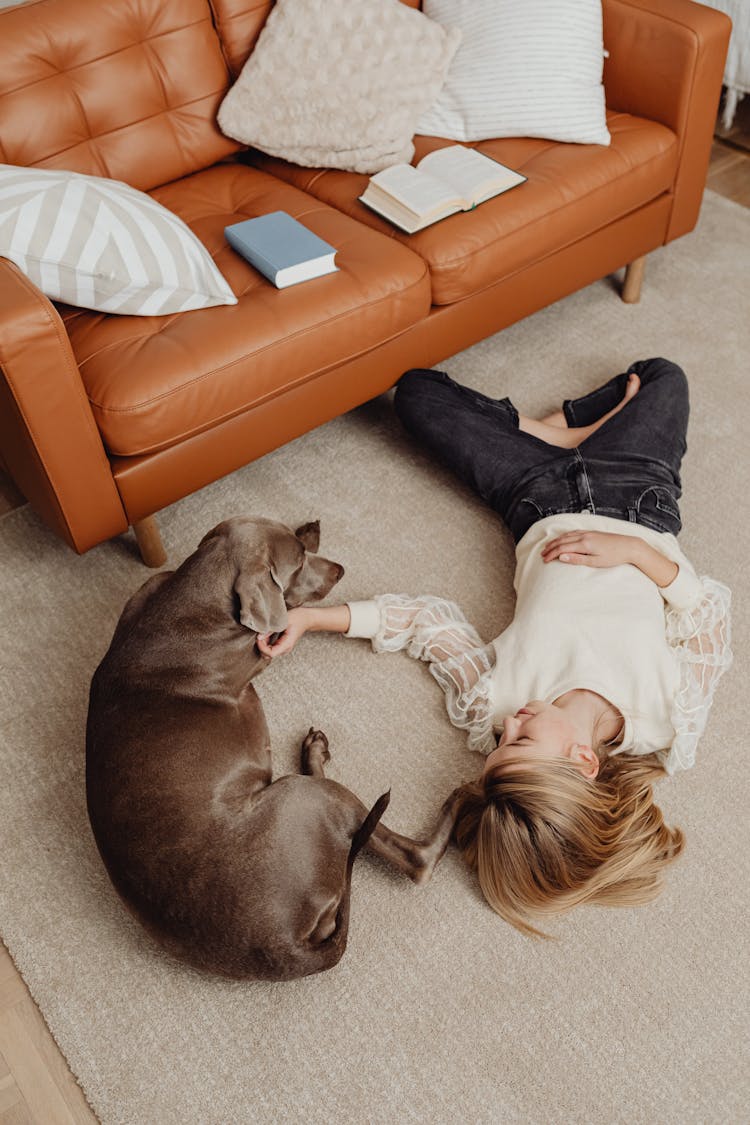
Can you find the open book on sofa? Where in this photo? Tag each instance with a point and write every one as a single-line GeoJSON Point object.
{"type": "Point", "coordinates": [445, 181]}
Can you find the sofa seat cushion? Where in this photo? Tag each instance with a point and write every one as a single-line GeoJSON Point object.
{"type": "Point", "coordinates": [154, 381]}
{"type": "Point", "coordinates": [571, 191]}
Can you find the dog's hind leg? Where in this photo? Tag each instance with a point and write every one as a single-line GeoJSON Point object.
{"type": "Point", "coordinates": [314, 753]}
{"type": "Point", "coordinates": [416, 858]}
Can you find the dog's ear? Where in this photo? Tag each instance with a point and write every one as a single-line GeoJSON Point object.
{"type": "Point", "coordinates": [262, 605]}
{"type": "Point", "coordinates": [309, 536]}
{"type": "Point", "coordinates": [214, 533]}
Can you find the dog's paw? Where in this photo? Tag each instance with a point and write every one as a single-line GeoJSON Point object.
{"type": "Point", "coordinates": [315, 753]}
{"type": "Point", "coordinates": [316, 743]}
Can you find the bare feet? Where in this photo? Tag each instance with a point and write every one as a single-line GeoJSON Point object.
{"type": "Point", "coordinates": [556, 419]}
{"type": "Point", "coordinates": [554, 428]}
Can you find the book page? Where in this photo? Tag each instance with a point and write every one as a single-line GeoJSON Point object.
{"type": "Point", "coordinates": [469, 173]}
{"type": "Point", "coordinates": [417, 190]}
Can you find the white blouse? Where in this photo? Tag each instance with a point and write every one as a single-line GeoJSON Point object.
{"type": "Point", "coordinates": [656, 654]}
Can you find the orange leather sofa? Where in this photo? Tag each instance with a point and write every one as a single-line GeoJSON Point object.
{"type": "Point", "coordinates": [106, 419]}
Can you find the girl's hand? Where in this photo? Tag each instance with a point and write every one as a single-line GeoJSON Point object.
{"type": "Point", "coordinates": [593, 548]}
{"type": "Point", "coordinates": [298, 623]}
{"type": "Point", "coordinates": [302, 619]}
{"type": "Point", "coordinates": [606, 548]}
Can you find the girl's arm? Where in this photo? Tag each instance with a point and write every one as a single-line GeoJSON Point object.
{"type": "Point", "coordinates": [700, 638]}
{"type": "Point", "coordinates": [436, 631]}
{"type": "Point", "coordinates": [428, 628]}
{"type": "Point", "coordinates": [606, 548]}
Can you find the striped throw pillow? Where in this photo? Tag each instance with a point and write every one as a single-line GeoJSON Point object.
{"type": "Point", "coordinates": [525, 68]}
{"type": "Point", "coordinates": [102, 245]}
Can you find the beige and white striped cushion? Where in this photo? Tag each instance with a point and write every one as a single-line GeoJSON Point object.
{"type": "Point", "coordinates": [525, 68]}
{"type": "Point", "coordinates": [101, 244]}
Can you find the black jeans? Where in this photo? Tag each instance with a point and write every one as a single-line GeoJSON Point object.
{"type": "Point", "coordinates": [629, 469]}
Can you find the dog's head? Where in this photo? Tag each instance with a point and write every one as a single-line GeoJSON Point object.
{"type": "Point", "coordinates": [275, 569]}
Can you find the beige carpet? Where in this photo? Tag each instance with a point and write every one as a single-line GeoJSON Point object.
{"type": "Point", "coordinates": [439, 1012]}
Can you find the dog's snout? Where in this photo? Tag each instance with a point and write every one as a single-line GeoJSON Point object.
{"type": "Point", "coordinates": [340, 572]}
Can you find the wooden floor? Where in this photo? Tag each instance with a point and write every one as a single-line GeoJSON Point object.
{"type": "Point", "coordinates": [36, 1087]}
{"type": "Point", "coordinates": [729, 170]}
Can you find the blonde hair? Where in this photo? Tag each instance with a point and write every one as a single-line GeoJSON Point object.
{"type": "Point", "coordinates": [543, 839]}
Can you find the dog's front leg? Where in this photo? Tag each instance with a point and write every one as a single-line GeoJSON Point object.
{"type": "Point", "coordinates": [416, 858]}
{"type": "Point", "coordinates": [314, 753]}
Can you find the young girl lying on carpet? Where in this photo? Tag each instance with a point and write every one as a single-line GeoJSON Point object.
{"type": "Point", "coordinates": [605, 677]}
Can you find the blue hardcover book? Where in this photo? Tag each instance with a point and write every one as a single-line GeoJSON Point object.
{"type": "Point", "coordinates": [284, 250]}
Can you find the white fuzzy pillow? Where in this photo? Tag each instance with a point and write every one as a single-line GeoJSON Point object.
{"type": "Point", "coordinates": [525, 68]}
{"type": "Point", "coordinates": [339, 83]}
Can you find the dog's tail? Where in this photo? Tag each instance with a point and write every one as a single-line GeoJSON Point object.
{"type": "Point", "coordinates": [369, 824]}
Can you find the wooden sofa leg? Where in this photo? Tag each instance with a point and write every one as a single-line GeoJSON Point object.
{"type": "Point", "coordinates": [149, 542]}
{"type": "Point", "coordinates": [631, 287]}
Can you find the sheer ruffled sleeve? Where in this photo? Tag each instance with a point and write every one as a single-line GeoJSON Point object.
{"type": "Point", "coordinates": [436, 631]}
{"type": "Point", "coordinates": [700, 638]}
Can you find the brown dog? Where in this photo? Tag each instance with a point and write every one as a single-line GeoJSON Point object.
{"type": "Point", "coordinates": [233, 873]}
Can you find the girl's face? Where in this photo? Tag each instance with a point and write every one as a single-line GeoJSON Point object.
{"type": "Point", "coordinates": [538, 732]}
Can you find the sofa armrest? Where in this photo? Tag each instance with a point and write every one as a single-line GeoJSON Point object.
{"type": "Point", "coordinates": [666, 63]}
{"type": "Point", "coordinates": [48, 436]}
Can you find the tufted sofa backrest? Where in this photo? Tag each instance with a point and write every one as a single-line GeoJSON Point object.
{"type": "Point", "coordinates": [122, 88]}
{"type": "Point", "coordinates": [127, 89]}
